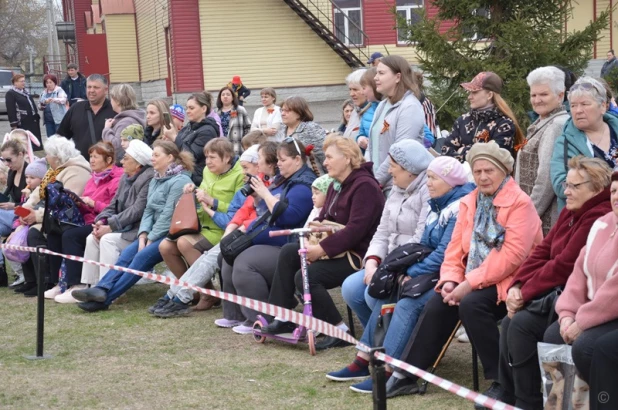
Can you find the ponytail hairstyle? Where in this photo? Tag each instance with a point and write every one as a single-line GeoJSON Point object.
{"type": "Point", "coordinates": [183, 158]}
{"type": "Point", "coordinates": [203, 99]}
{"type": "Point", "coordinates": [504, 108]}
{"type": "Point", "coordinates": [314, 165]}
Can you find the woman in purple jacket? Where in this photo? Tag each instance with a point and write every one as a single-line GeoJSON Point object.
{"type": "Point", "coordinates": [358, 205]}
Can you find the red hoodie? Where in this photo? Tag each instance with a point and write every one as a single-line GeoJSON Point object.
{"type": "Point", "coordinates": [551, 262]}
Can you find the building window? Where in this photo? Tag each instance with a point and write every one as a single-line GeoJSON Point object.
{"type": "Point", "coordinates": [408, 10]}
{"type": "Point", "coordinates": [472, 31]}
{"type": "Point", "coordinates": [349, 21]}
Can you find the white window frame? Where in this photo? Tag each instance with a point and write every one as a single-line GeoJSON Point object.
{"type": "Point", "coordinates": [476, 37]}
{"type": "Point", "coordinates": [409, 9]}
{"type": "Point", "coordinates": [346, 22]}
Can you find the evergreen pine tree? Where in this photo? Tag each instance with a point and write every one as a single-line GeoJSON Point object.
{"type": "Point", "coordinates": [508, 37]}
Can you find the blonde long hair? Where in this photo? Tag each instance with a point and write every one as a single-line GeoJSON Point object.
{"type": "Point", "coordinates": [504, 108]}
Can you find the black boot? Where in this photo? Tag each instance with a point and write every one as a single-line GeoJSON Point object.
{"type": "Point", "coordinates": [4, 279]}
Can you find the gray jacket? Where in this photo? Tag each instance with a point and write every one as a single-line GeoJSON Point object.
{"type": "Point", "coordinates": [309, 133]}
{"type": "Point", "coordinates": [122, 121]}
{"type": "Point", "coordinates": [532, 170]}
{"type": "Point", "coordinates": [405, 119]}
{"type": "Point", "coordinates": [403, 218]}
{"type": "Point", "coordinates": [125, 211]}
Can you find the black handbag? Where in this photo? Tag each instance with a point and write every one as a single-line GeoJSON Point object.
{"type": "Point", "coordinates": [384, 280]}
{"type": "Point", "coordinates": [545, 305]}
{"type": "Point", "coordinates": [383, 321]}
{"type": "Point", "coordinates": [237, 241]}
{"type": "Point", "coordinates": [416, 286]}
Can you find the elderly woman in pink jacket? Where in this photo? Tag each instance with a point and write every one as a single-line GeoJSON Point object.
{"type": "Point", "coordinates": [587, 309]}
{"type": "Point", "coordinates": [496, 229]}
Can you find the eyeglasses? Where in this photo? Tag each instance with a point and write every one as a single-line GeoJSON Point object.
{"type": "Point", "coordinates": [7, 160]}
{"type": "Point", "coordinates": [566, 185]}
{"type": "Point", "coordinates": [292, 139]}
{"type": "Point", "coordinates": [585, 86]}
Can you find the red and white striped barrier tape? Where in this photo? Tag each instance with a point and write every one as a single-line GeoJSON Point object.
{"type": "Point", "coordinates": [292, 316]}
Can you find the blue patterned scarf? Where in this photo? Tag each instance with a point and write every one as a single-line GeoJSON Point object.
{"type": "Point", "coordinates": [172, 169]}
{"type": "Point", "coordinates": [487, 234]}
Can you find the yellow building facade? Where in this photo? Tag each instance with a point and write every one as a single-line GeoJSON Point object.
{"type": "Point", "coordinates": [181, 46]}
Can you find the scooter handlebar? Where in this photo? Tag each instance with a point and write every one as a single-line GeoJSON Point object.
{"type": "Point", "coordinates": [287, 232]}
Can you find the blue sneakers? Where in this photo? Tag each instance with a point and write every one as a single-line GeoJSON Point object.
{"type": "Point", "coordinates": [346, 374]}
{"type": "Point", "coordinates": [363, 387]}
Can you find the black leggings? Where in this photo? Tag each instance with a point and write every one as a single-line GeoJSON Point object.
{"type": "Point", "coordinates": [323, 275]}
{"type": "Point", "coordinates": [603, 381]}
{"type": "Point", "coordinates": [519, 362]}
{"type": "Point", "coordinates": [583, 346]}
{"type": "Point", "coordinates": [479, 312]}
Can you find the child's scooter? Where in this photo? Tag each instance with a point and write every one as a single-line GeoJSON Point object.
{"type": "Point", "coordinates": [301, 334]}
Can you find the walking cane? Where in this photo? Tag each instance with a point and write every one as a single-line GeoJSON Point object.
{"type": "Point", "coordinates": [423, 389]}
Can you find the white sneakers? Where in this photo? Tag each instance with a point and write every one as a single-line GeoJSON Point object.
{"type": "Point", "coordinates": [67, 296]}
{"type": "Point", "coordinates": [52, 293]}
{"type": "Point", "coordinates": [461, 335]}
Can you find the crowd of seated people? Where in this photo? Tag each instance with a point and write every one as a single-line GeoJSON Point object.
{"type": "Point", "coordinates": [505, 219]}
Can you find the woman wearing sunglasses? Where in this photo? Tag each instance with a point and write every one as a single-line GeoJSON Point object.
{"type": "Point", "coordinates": [288, 200]}
{"type": "Point", "coordinates": [591, 132]}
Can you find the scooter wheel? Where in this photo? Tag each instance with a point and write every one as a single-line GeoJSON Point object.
{"type": "Point", "coordinates": [257, 332]}
{"type": "Point", "coordinates": [311, 342]}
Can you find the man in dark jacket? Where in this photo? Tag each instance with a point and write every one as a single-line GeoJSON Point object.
{"type": "Point", "coordinates": [610, 64]}
{"type": "Point", "coordinates": [74, 84]}
{"type": "Point", "coordinates": [85, 120]}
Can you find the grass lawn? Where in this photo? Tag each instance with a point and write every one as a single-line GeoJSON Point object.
{"type": "Point", "coordinates": [124, 358]}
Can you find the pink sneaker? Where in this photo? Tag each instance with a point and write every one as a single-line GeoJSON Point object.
{"type": "Point", "coordinates": [227, 323]}
{"type": "Point", "coordinates": [243, 329]}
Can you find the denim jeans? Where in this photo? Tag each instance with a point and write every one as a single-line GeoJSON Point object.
{"type": "Point", "coordinates": [50, 128]}
{"type": "Point", "coordinates": [406, 314]}
{"type": "Point", "coordinates": [6, 226]}
{"type": "Point", "coordinates": [354, 292]}
{"type": "Point", "coordinates": [200, 273]}
{"type": "Point", "coordinates": [116, 283]}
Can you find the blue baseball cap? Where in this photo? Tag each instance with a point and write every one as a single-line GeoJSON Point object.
{"type": "Point", "coordinates": [374, 57]}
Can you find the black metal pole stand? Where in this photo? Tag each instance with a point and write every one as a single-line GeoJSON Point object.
{"type": "Point", "coordinates": [379, 379]}
{"type": "Point", "coordinates": [40, 310]}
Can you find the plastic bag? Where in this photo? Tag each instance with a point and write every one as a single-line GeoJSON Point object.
{"type": "Point", "coordinates": [19, 238]}
{"type": "Point", "coordinates": [562, 387]}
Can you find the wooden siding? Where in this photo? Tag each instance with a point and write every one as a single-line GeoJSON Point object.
{"type": "Point", "coordinates": [273, 47]}
{"type": "Point", "coordinates": [379, 22]}
{"type": "Point", "coordinates": [122, 48]}
{"type": "Point", "coordinates": [432, 13]}
{"type": "Point", "coordinates": [583, 14]}
{"type": "Point", "coordinates": [151, 19]}
{"type": "Point", "coordinates": [604, 43]}
{"type": "Point", "coordinates": [186, 43]}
